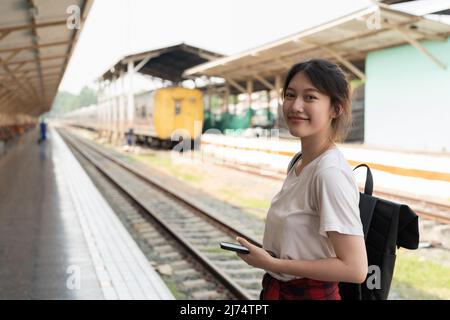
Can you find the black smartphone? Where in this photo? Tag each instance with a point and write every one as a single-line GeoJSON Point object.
{"type": "Point", "coordinates": [234, 247]}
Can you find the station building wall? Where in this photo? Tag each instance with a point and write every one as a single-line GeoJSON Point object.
{"type": "Point", "coordinates": [407, 98]}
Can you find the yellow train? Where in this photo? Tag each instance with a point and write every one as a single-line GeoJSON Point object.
{"type": "Point", "coordinates": [159, 117]}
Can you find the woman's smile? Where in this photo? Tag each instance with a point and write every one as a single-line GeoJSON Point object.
{"type": "Point", "coordinates": [296, 119]}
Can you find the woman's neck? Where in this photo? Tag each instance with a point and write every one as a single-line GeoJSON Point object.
{"type": "Point", "coordinates": [312, 147]}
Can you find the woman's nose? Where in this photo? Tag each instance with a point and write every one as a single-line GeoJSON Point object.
{"type": "Point", "coordinates": [298, 104]}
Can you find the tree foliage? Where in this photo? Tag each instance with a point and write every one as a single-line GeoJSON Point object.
{"type": "Point", "coordinates": [66, 101]}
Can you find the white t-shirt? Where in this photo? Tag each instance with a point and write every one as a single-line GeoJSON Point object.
{"type": "Point", "coordinates": [324, 197]}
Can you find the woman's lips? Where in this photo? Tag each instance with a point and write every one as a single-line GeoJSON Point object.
{"type": "Point", "coordinates": [297, 119]}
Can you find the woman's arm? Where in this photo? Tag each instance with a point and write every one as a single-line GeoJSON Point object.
{"type": "Point", "coordinates": [350, 264]}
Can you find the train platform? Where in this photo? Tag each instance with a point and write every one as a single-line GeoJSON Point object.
{"type": "Point", "coordinates": [59, 238]}
{"type": "Point", "coordinates": [416, 174]}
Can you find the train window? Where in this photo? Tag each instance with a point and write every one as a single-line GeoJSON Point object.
{"type": "Point", "coordinates": [177, 107]}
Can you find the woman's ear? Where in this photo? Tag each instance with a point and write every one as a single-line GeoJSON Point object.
{"type": "Point", "coordinates": [337, 111]}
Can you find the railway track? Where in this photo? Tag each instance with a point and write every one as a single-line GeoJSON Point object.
{"type": "Point", "coordinates": [195, 230]}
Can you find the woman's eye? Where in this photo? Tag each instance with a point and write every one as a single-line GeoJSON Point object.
{"type": "Point", "coordinates": [289, 95]}
{"type": "Point", "coordinates": [309, 98]}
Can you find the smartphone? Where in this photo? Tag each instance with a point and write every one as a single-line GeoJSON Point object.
{"type": "Point", "coordinates": [234, 247]}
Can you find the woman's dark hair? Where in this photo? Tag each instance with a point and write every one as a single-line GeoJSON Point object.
{"type": "Point", "coordinates": [329, 79]}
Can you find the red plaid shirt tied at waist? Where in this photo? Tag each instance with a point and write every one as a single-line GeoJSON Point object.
{"type": "Point", "coordinates": [298, 289]}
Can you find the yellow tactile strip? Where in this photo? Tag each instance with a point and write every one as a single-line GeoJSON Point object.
{"type": "Point", "coordinates": [416, 173]}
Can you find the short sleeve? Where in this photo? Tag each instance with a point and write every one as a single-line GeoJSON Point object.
{"type": "Point", "coordinates": [337, 199]}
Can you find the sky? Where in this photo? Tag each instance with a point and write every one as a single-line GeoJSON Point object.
{"type": "Point", "coordinates": [116, 28]}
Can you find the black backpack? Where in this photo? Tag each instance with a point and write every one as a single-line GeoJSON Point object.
{"type": "Point", "coordinates": [387, 225]}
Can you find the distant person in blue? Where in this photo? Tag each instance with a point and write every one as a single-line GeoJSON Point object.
{"type": "Point", "coordinates": [130, 139]}
{"type": "Point", "coordinates": [43, 131]}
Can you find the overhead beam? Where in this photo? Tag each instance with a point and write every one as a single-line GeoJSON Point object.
{"type": "Point", "coordinates": [19, 82]}
{"type": "Point", "coordinates": [32, 108]}
{"type": "Point", "coordinates": [13, 70]}
{"type": "Point", "coordinates": [5, 101]}
{"type": "Point", "coordinates": [20, 78]}
{"type": "Point", "coordinates": [27, 82]}
{"type": "Point", "coordinates": [14, 108]}
{"type": "Point", "coordinates": [264, 82]}
{"type": "Point", "coordinates": [9, 105]}
{"type": "Point", "coordinates": [34, 46]}
{"type": "Point", "coordinates": [425, 36]}
{"type": "Point", "coordinates": [18, 97]}
{"type": "Point", "coordinates": [140, 56]}
{"type": "Point", "coordinates": [56, 66]}
{"type": "Point", "coordinates": [201, 53]}
{"type": "Point", "coordinates": [142, 63]}
{"type": "Point", "coordinates": [236, 85]}
{"type": "Point", "coordinates": [4, 34]}
{"type": "Point", "coordinates": [283, 63]}
{"type": "Point", "coordinates": [7, 79]}
{"type": "Point", "coordinates": [346, 63]}
{"type": "Point", "coordinates": [42, 59]}
{"type": "Point", "coordinates": [8, 99]}
{"type": "Point", "coordinates": [5, 95]}
{"type": "Point", "coordinates": [45, 75]}
{"type": "Point", "coordinates": [11, 56]}
{"type": "Point", "coordinates": [421, 48]}
{"type": "Point", "coordinates": [5, 66]}
{"type": "Point", "coordinates": [5, 31]}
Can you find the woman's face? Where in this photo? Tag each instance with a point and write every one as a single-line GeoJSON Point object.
{"type": "Point", "coordinates": [306, 110]}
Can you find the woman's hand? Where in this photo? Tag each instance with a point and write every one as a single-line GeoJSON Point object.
{"type": "Point", "coordinates": [258, 257]}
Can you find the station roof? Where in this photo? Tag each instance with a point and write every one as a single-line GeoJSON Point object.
{"type": "Point", "coordinates": [167, 63]}
{"type": "Point", "coordinates": [346, 40]}
{"type": "Point", "coordinates": [36, 43]}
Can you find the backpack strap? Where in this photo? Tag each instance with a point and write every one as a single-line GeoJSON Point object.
{"type": "Point", "coordinates": [368, 188]}
{"type": "Point", "coordinates": [367, 203]}
{"type": "Point", "coordinates": [294, 160]}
